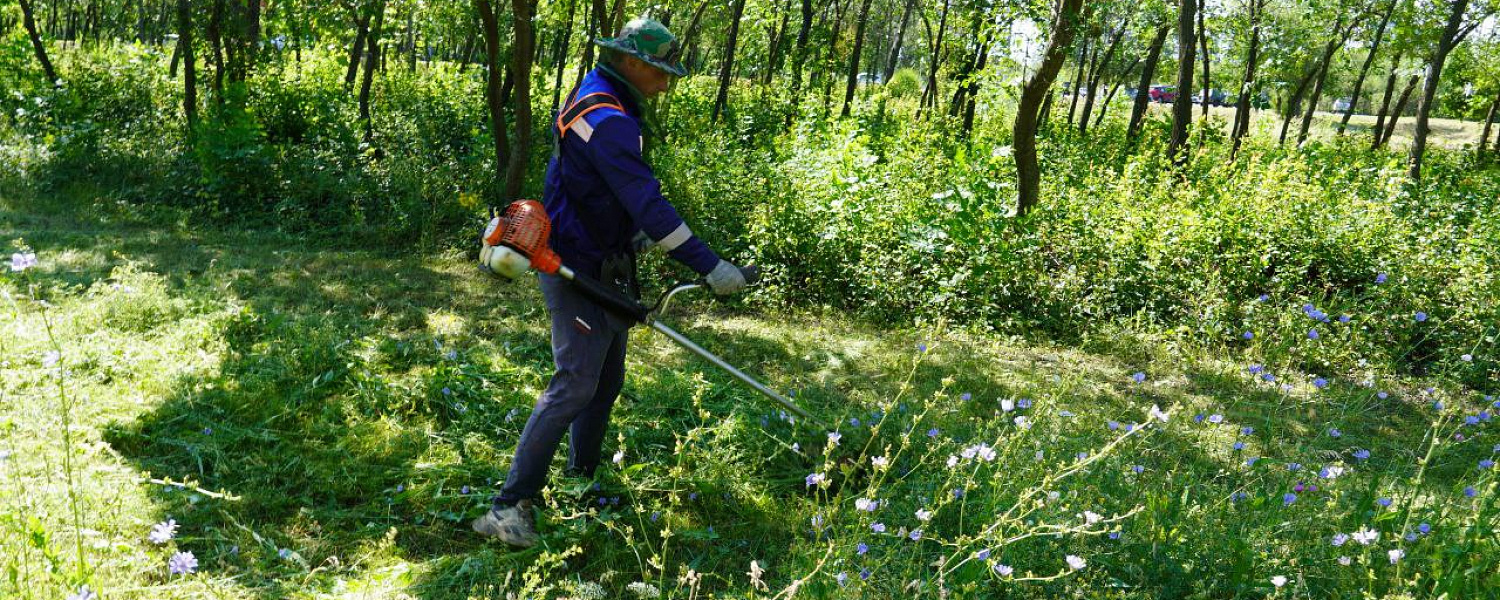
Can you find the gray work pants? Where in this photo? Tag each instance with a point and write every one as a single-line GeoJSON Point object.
{"type": "Point", "coordinates": [588, 347]}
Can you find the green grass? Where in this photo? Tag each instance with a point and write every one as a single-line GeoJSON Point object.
{"type": "Point", "coordinates": [297, 411]}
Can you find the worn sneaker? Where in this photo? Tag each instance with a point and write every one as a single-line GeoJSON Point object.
{"type": "Point", "coordinates": [513, 525]}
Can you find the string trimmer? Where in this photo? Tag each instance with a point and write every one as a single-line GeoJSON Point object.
{"type": "Point", "coordinates": [516, 241]}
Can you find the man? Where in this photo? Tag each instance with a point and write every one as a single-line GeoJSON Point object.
{"type": "Point", "coordinates": [605, 205]}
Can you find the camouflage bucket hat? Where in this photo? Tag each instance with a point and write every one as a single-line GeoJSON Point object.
{"type": "Point", "coordinates": [649, 41]}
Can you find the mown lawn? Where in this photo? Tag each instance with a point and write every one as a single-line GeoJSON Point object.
{"type": "Point", "coordinates": [321, 419]}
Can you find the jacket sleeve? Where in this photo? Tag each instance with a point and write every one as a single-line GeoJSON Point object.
{"type": "Point", "coordinates": [616, 151]}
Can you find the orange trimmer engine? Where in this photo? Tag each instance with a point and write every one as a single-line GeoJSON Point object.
{"type": "Point", "coordinates": [516, 240]}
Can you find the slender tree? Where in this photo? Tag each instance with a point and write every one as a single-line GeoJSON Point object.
{"type": "Point", "coordinates": [1065, 17]}
{"type": "Point", "coordinates": [726, 73]}
{"type": "Point", "coordinates": [189, 70]}
{"type": "Point", "coordinates": [1203, 52]}
{"type": "Point", "coordinates": [1182, 108]}
{"type": "Point", "coordinates": [494, 97]}
{"type": "Point", "coordinates": [1385, 103]}
{"type": "Point", "coordinates": [1364, 69]}
{"type": "Point", "coordinates": [1453, 34]}
{"type": "Point", "coordinates": [1148, 72]}
{"type": "Point", "coordinates": [1248, 89]}
{"type": "Point", "coordinates": [890, 64]}
{"type": "Point", "coordinates": [372, 55]}
{"type": "Point", "coordinates": [37, 46]}
{"type": "Point", "coordinates": [521, 60]}
{"type": "Point", "coordinates": [1390, 124]}
{"type": "Point", "coordinates": [929, 94]}
{"type": "Point", "coordinates": [1340, 38]}
{"type": "Point", "coordinates": [1097, 76]}
{"type": "Point", "coordinates": [1489, 120]}
{"type": "Point", "coordinates": [859, 44]}
{"type": "Point", "coordinates": [356, 50]}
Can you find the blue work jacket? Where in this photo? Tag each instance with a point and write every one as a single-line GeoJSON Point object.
{"type": "Point", "coordinates": [599, 191]}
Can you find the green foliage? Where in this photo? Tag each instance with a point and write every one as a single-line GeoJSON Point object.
{"type": "Point", "coordinates": [904, 84]}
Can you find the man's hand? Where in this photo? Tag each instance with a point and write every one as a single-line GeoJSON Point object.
{"type": "Point", "coordinates": [642, 242]}
{"type": "Point", "coordinates": [726, 278]}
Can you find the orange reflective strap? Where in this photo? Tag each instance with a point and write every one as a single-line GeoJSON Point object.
{"type": "Point", "coordinates": [562, 128]}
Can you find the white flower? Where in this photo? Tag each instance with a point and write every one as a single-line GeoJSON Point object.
{"type": "Point", "coordinates": [1053, 495]}
{"type": "Point", "coordinates": [1075, 562]}
{"type": "Point", "coordinates": [987, 454]}
{"type": "Point", "coordinates": [969, 452]}
{"type": "Point", "coordinates": [1023, 422]}
{"type": "Point", "coordinates": [162, 533]}
{"type": "Point", "coordinates": [880, 462]}
{"type": "Point", "coordinates": [1007, 405]}
{"type": "Point", "coordinates": [866, 504]}
{"type": "Point", "coordinates": [924, 515]}
{"type": "Point", "coordinates": [1002, 152]}
{"type": "Point", "coordinates": [1466, 358]}
{"type": "Point", "coordinates": [1395, 554]}
{"type": "Point", "coordinates": [50, 358]}
{"type": "Point", "coordinates": [1333, 471]}
{"type": "Point", "coordinates": [834, 437]}
{"type": "Point", "coordinates": [22, 261]}
{"type": "Point", "coordinates": [1091, 517]}
{"type": "Point", "coordinates": [952, 460]}
{"type": "Point", "coordinates": [1004, 570]}
{"type": "Point", "coordinates": [1344, 560]}
{"type": "Point", "coordinates": [1278, 581]}
{"type": "Point", "coordinates": [619, 457]}
{"type": "Point", "coordinates": [643, 590]}
{"type": "Point", "coordinates": [1365, 537]}
{"type": "Point", "coordinates": [1157, 413]}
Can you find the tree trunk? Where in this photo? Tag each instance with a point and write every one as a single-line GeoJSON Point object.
{"type": "Point", "coordinates": [567, 38]}
{"type": "Point", "coordinates": [1294, 105]}
{"type": "Point", "coordinates": [1182, 109]}
{"type": "Point", "coordinates": [1451, 38]}
{"type": "Point", "coordinates": [521, 60]}
{"type": "Point", "coordinates": [494, 95]}
{"type": "Point", "coordinates": [929, 95]}
{"type": "Point", "coordinates": [189, 70]}
{"type": "Point", "coordinates": [890, 65]}
{"type": "Point", "coordinates": [1385, 103]}
{"type": "Point", "coordinates": [1390, 125]}
{"type": "Point", "coordinates": [1108, 100]}
{"type": "Point", "coordinates": [1341, 36]}
{"type": "Point", "coordinates": [726, 74]}
{"type": "Point", "coordinates": [859, 44]}
{"type": "Point", "coordinates": [216, 44]}
{"type": "Point", "coordinates": [372, 54]}
{"type": "Point", "coordinates": [596, 21]}
{"type": "Point", "coordinates": [176, 57]}
{"type": "Point", "coordinates": [361, 30]}
{"type": "Point", "coordinates": [1489, 119]}
{"type": "Point", "coordinates": [36, 43]}
{"type": "Point", "coordinates": [1207, 81]}
{"type": "Point", "coordinates": [1079, 74]}
{"type": "Point", "coordinates": [1242, 105]}
{"type": "Point", "coordinates": [1359, 82]}
{"type": "Point", "coordinates": [1148, 71]}
{"type": "Point", "coordinates": [1065, 19]}
{"type": "Point", "coordinates": [965, 75]}
{"type": "Point", "coordinates": [778, 41]}
{"type": "Point", "coordinates": [831, 63]}
{"type": "Point", "coordinates": [971, 96]}
{"type": "Point", "coordinates": [1097, 77]}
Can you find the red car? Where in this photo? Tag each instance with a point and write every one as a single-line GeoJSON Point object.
{"type": "Point", "coordinates": [1164, 93]}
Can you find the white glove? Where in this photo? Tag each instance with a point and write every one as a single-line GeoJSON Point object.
{"type": "Point", "coordinates": [726, 278]}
